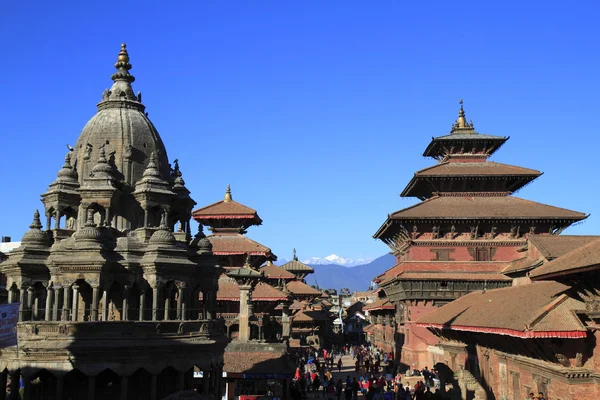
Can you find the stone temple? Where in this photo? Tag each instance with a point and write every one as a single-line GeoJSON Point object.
{"type": "Point", "coordinates": [109, 291]}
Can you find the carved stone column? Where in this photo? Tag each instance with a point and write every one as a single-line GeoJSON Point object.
{"type": "Point", "coordinates": [153, 388]}
{"type": "Point", "coordinates": [49, 300]}
{"type": "Point", "coordinates": [59, 386]}
{"type": "Point", "coordinates": [125, 314]}
{"type": "Point", "coordinates": [180, 302]}
{"type": "Point", "coordinates": [14, 380]}
{"type": "Point", "coordinates": [244, 333]}
{"type": "Point", "coordinates": [26, 386]}
{"type": "Point", "coordinates": [91, 387]}
{"type": "Point", "coordinates": [11, 295]}
{"type": "Point", "coordinates": [105, 305]}
{"type": "Point", "coordinates": [167, 306]}
{"type": "Point", "coordinates": [205, 378]}
{"type": "Point", "coordinates": [95, 293]}
{"type": "Point", "coordinates": [22, 299]}
{"type": "Point", "coordinates": [57, 294]}
{"type": "Point", "coordinates": [29, 307]}
{"type": "Point", "coordinates": [142, 304]}
{"type": "Point", "coordinates": [124, 382]}
{"type": "Point", "coordinates": [74, 313]}
{"type": "Point", "coordinates": [155, 303]}
{"type": "Point", "coordinates": [66, 300]}
{"type": "Point", "coordinates": [180, 381]}
{"type": "Point", "coordinates": [285, 320]}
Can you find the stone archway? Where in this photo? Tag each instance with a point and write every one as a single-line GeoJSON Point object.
{"type": "Point", "coordinates": [75, 385]}
{"type": "Point", "coordinates": [107, 385]}
{"type": "Point", "coordinates": [139, 386]}
{"type": "Point", "coordinates": [166, 382]}
{"type": "Point", "coordinates": [43, 385]}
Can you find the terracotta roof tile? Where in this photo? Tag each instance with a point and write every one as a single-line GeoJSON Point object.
{"type": "Point", "coordinates": [235, 243]}
{"type": "Point", "coordinates": [296, 265]}
{"type": "Point", "coordinates": [299, 287]}
{"type": "Point", "coordinates": [522, 264]}
{"type": "Point", "coordinates": [540, 309]}
{"type": "Point", "coordinates": [311, 315]}
{"type": "Point", "coordinates": [229, 291]}
{"type": "Point", "coordinates": [555, 246]}
{"type": "Point", "coordinates": [229, 209]}
{"type": "Point", "coordinates": [381, 304]}
{"type": "Point", "coordinates": [475, 169]}
{"type": "Point", "coordinates": [501, 207]}
{"type": "Point", "coordinates": [583, 258]}
{"type": "Point", "coordinates": [257, 362]}
{"type": "Point", "coordinates": [272, 271]}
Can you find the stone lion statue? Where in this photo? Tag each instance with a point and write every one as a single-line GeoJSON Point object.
{"type": "Point", "coordinates": [468, 383]}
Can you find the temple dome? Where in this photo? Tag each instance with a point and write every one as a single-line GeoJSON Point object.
{"type": "Point", "coordinates": [123, 129]}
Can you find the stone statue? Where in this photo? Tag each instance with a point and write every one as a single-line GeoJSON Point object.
{"type": "Point", "coordinates": [468, 383]}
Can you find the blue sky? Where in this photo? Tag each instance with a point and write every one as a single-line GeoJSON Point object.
{"type": "Point", "coordinates": [316, 112]}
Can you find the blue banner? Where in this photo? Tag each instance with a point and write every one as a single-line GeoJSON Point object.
{"type": "Point", "coordinates": [9, 315]}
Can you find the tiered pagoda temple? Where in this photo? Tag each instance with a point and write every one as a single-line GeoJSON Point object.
{"type": "Point", "coordinates": [108, 295]}
{"type": "Point", "coordinates": [461, 237]}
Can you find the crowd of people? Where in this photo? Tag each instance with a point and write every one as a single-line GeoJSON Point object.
{"type": "Point", "coordinates": [375, 378]}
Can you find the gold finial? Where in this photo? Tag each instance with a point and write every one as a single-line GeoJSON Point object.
{"type": "Point", "coordinates": [461, 122]}
{"type": "Point", "coordinates": [228, 197]}
{"type": "Point", "coordinates": [123, 55]}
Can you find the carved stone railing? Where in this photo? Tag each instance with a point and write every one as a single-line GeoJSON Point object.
{"type": "Point", "coordinates": [37, 330]}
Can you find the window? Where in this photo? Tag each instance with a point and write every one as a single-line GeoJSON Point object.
{"type": "Point", "coordinates": [442, 255]}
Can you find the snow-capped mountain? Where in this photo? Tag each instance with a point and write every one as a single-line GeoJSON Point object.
{"type": "Point", "coordinates": [337, 260]}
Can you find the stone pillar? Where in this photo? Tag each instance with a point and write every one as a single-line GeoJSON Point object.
{"type": "Point", "coordinates": [155, 303]}
{"type": "Point", "coordinates": [91, 387]}
{"type": "Point", "coordinates": [180, 381]}
{"type": "Point", "coordinates": [57, 222]}
{"type": "Point", "coordinates": [124, 382]}
{"type": "Point", "coordinates": [11, 295]}
{"type": "Point", "coordinates": [205, 378]}
{"type": "Point", "coordinates": [49, 299]}
{"type": "Point", "coordinates": [26, 386]}
{"type": "Point", "coordinates": [142, 304]}
{"type": "Point", "coordinates": [180, 303]}
{"type": "Point", "coordinates": [145, 218]}
{"type": "Point", "coordinates": [29, 303]}
{"type": "Point", "coordinates": [167, 306]}
{"type": "Point", "coordinates": [105, 305]}
{"type": "Point", "coordinates": [14, 381]}
{"type": "Point", "coordinates": [22, 300]}
{"type": "Point", "coordinates": [285, 320]}
{"type": "Point", "coordinates": [75, 310]}
{"type": "Point", "coordinates": [153, 388]}
{"type": "Point", "coordinates": [59, 386]}
{"type": "Point", "coordinates": [244, 334]}
{"type": "Point", "coordinates": [219, 383]}
{"type": "Point", "coordinates": [57, 294]}
{"type": "Point", "coordinates": [3, 381]}
{"type": "Point", "coordinates": [94, 313]}
{"type": "Point", "coordinates": [125, 314]}
{"type": "Point", "coordinates": [66, 300]}
{"type": "Point", "coordinates": [35, 309]}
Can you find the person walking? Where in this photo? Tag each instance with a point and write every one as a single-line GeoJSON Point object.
{"type": "Point", "coordinates": [339, 365]}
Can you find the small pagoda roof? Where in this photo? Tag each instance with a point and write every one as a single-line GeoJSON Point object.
{"type": "Point", "coordinates": [522, 265]}
{"type": "Point", "coordinates": [227, 209]}
{"type": "Point", "coordinates": [311, 315]}
{"type": "Point", "coordinates": [297, 266]}
{"type": "Point", "coordinates": [230, 291]}
{"type": "Point", "coordinates": [582, 259]}
{"type": "Point", "coordinates": [272, 271]}
{"type": "Point", "coordinates": [455, 208]}
{"type": "Point", "coordinates": [381, 304]}
{"type": "Point", "coordinates": [244, 272]}
{"type": "Point", "coordinates": [301, 288]}
{"type": "Point", "coordinates": [537, 310]}
{"type": "Point", "coordinates": [466, 170]}
{"type": "Point", "coordinates": [551, 247]}
{"type": "Point", "coordinates": [237, 244]}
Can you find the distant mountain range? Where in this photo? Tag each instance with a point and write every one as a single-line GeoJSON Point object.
{"type": "Point", "coordinates": [332, 259]}
{"type": "Point", "coordinates": [355, 278]}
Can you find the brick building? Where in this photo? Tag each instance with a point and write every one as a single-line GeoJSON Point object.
{"type": "Point", "coordinates": [468, 228]}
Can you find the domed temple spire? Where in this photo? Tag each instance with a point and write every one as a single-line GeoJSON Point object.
{"type": "Point", "coordinates": [36, 223]}
{"type": "Point", "coordinates": [123, 66]}
{"type": "Point", "coordinates": [461, 125]}
{"type": "Point", "coordinates": [228, 197]}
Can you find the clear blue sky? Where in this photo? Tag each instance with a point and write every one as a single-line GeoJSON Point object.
{"type": "Point", "coordinates": [316, 112]}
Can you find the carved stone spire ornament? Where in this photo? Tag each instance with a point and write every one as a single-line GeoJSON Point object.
{"type": "Point", "coordinates": [228, 197]}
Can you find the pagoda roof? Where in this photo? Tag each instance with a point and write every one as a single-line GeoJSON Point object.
{"type": "Point", "coordinates": [536, 310]}
{"type": "Point", "coordinates": [551, 247]}
{"type": "Point", "coordinates": [451, 276]}
{"type": "Point", "coordinates": [453, 208]}
{"type": "Point", "coordinates": [465, 170]}
{"type": "Point", "coordinates": [436, 147]}
{"type": "Point", "coordinates": [297, 266]}
{"type": "Point", "coordinates": [226, 210]}
{"type": "Point", "coordinates": [582, 259]}
{"type": "Point", "coordinates": [522, 264]}
{"type": "Point", "coordinates": [381, 304]}
{"type": "Point", "coordinates": [230, 291]}
{"type": "Point", "coordinates": [311, 315]}
{"type": "Point", "coordinates": [299, 287]}
{"type": "Point", "coordinates": [238, 244]}
{"type": "Point", "coordinates": [272, 271]}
